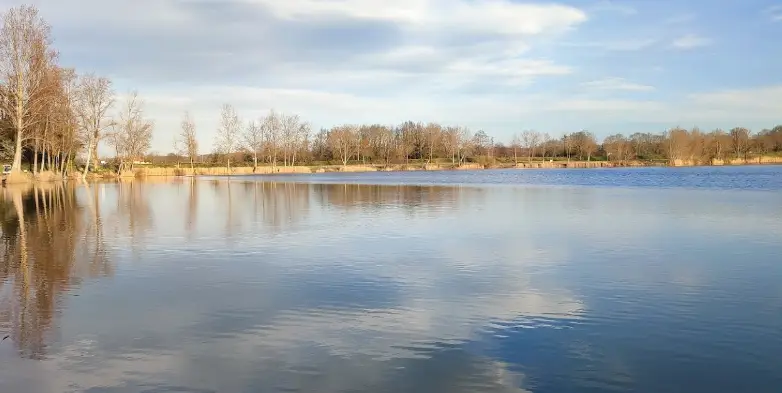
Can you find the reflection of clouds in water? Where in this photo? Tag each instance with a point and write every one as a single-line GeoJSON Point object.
{"type": "Point", "coordinates": [242, 364]}
{"type": "Point", "coordinates": [440, 295]}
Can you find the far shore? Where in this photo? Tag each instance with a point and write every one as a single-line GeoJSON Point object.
{"type": "Point", "coordinates": [173, 171]}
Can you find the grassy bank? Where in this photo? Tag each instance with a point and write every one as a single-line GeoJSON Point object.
{"type": "Point", "coordinates": [173, 171]}
{"type": "Point", "coordinates": [355, 168]}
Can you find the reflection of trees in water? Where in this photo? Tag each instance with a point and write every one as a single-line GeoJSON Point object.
{"type": "Point", "coordinates": [192, 207]}
{"type": "Point", "coordinates": [277, 206]}
{"type": "Point", "coordinates": [43, 256]}
{"type": "Point", "coordinates": [273, 206]}
{"type": "Point", "coordinates": [413, 198]}
{"type": "Point", "coordinates": [133, 205]}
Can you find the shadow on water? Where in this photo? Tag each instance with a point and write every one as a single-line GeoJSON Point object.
{"type": "Point", "coordinates": [51, 242]}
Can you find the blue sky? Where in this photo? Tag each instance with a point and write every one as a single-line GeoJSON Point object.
{"type": "Point", "coordinates": [498, 65]}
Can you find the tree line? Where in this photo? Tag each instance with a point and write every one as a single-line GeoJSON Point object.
{"type": "Point", "coordinates": [281, 139]}
{"type": "Point", "coordinates": [50, 114]}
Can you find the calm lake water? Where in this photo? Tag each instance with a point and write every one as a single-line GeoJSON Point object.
{"type": "Point", "coordinates": [637, 280]}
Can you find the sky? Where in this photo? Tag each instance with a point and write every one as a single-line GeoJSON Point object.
{"type": "Point", "coordinates": [502, 66]}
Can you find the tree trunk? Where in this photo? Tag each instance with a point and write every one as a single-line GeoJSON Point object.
{"type": "Point", "coordinates": [95, 152]}
{"type": "Point", "coordinates": [89, 157]}
{"type": "Point", "coordinates": [43, 146]}
{"type": "Point", "coordinates": [17, 164]}
{"type": "Point", "coordinates": [35, 157]}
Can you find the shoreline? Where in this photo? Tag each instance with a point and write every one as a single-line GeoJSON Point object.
{"type": "Point", "coordinates": [159, 171]}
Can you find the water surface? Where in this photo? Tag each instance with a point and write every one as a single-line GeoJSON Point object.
{"type": "Point", "coordinates": [247, 285]}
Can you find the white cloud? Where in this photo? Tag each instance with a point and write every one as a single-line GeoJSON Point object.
{"type": "Point", "coordinates": [690, 41]}
{"type": "Point", "coordinates": [488, 16]}
{"type": "Point", "coordinates": [616, 84]}
{"type": "Point", "coordinates": [616, 45]}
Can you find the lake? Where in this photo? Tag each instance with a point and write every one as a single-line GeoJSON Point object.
{"type": "Point", "coordinates": [632, 280]}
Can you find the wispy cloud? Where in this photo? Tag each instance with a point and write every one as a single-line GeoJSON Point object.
{"type": "Point", "coordinates": [775, 13]}
{"type": "Point", "coordinates": [497, 16]}
{"type": "Point", "coordinates": [690, 41]}
{"type": "Point", "coordinates": [627, 45]}
{"type": "Point", "coordinates": [616, 84]}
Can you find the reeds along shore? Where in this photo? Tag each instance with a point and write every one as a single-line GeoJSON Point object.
{"type": "Point", "coordinates": [151, 171]}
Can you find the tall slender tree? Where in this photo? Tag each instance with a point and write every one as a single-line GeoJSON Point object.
{"type": "Point", "coordinates": [95, 97]}
{"type": "Point", "coordinates": [187, 141]}
{"type": "Point", "coordinates": [229, 133]}
{"type": "Point", "coordinates": [24, 58]}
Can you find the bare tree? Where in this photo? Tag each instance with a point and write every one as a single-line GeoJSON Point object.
{"type": "Point", "coordinates": [741, 142]}
{"type": "Point", "coordinates": [718, 142]}
{"type": "Point", "coordinates": [481, 142]}
{"type": "Point", "coordinates": [116, 139]}
{"type": "Point", "coordinates": [450, 142]}
{"type": "Point", "coordinates": [526, 142]}
{"type": "Point", "coordinates": [229, 133]}
{"type": "Point", "coordinates": [253, 140]}
{"type": "Point", "coordinates": [270, 127]}
{"type": "Point", "coordinates": [24, 42]}
{"type": "Point", "coordinates": [515, 143]}
{"type": "Point", "coordinates": [433, 133]}
{"type": "Point", "coordinates": [585, 143]}
{"type": "Point", "coordinates": [385, 142]}
{"type": "Point", "coordinates": [545, 141]}
{"type": "Point", "coordinates": [464, 143]}
{"type": "Point", "coordinates": [66, 136]}
{"type": "Point", "coordinates": [188, 144]}
{"type": "Point", "coordinates": [617, 147]}
{"type": "Point", "coordinates": [677, 144]}
{"type": "Point", "coordinates": [290, 127]}
{"type": "Point", "coordinates": [534, 142]}
{"type": "Point", "coordinates": [135, 131]}
{"type": "Point", "coordinates": [301, 138]}
{"type": "Point", "coordinates": [94, 99]}
{"type": "Point", "coordinates": [340, 139]}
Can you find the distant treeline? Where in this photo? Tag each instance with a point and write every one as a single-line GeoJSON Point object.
{"type": "Point", "coordinates": [280, 139]}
